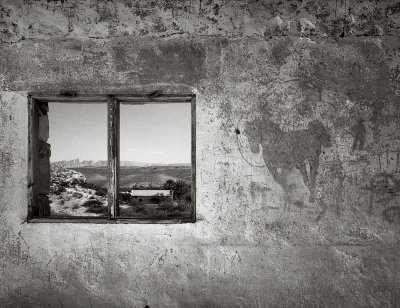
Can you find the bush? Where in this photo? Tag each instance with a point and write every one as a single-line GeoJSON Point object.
{"type": "Point", "coordinates": [140, 208]}
{"type": "Point", "coordinates": [100, 191]}
{"type": "Point", "coordinates": [88, 185]}
{"type": "Point", "coordinates": [124, 197]}
{"type": "Point", "coordinates": [97, 209]}
{"type": "Point", "coordinates": [91, 202]}
{"type": "Point", "coordinates": [159, 198]}
{"type": "Point", "coordinates": [181, 207]}
{"type": "Point", "coordinates": [180, 188]}
{"type": "Point", "coordinates": [133, 211]}
{"type": "Point", "coordinates": [165, 206]}
{"type": "Point", "coordinates": [134, 202]}
{"type": "Point", "coordinates": [59, 189]}
{"type": "Point", "coordinates": [77, 195]}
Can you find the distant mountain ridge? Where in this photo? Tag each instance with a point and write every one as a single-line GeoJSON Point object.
{"type": "Point", "coordinates": [103, 163]}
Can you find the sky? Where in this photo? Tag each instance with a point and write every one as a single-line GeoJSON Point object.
{"type": "Point", "coordinates": [151, 133]}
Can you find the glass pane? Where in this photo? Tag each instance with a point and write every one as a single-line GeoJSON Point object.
{"type": "Point", "coordinates": [78, 161]}
{"type": "Point", "coordinates": [155, 160]}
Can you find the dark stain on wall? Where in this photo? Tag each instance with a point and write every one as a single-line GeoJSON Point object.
{"type": "Point", "coordinates": [281, 50]}
{"type": "Point", "coordinates": [392, 214]}
{"type": "Point", "coordinates": [384, 188]}
{"type": "Point", "coordinates": [287, 150]}
{"type": "Point", "coordinates": [358, 132]}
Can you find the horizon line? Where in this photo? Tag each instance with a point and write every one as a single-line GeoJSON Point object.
{"type": "Point", "coordinates": [105, 160]}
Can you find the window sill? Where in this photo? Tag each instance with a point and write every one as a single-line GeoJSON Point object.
{"type": "Point", "coordinates": [102, 220]}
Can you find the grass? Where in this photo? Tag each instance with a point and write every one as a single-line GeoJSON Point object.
{"type": "Point", "coordinates": [155, 211]}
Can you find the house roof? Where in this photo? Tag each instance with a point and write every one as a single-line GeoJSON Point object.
{"type": "Point", "coordinates": [150, 192]}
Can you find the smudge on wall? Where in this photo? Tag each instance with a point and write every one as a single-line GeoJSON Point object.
{"type": "Point", "coordinates": [275, 229]}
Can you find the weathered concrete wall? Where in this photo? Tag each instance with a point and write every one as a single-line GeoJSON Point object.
{"type": "Point", "coordinates": [277, 83]}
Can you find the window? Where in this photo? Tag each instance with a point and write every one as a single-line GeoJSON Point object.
{"type": "Point", "coordinates": [112, 158]}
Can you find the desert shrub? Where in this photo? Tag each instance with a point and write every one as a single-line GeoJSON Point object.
{"type": "Point", "coordinates": [88, 185]}
{"type": "Point", "coordinates": [174, 214]}
{"type": "Point", "coordinates": [59, 189]}
{"type": "Point", "coordinates": [165, 206]}
{"type": "Point", "coordinates": [133, 211]}
{"type": "Point", "coordinates": [61, 202]}
{"type": "Point", "coordinates": [124, 197]}
{"type": "Point", "coordinates": [159, 198]}
{"type": "Point", "coordinates": [169, 184]}
{"type": "Point", "coordinates": [77, 195]}
{"type": "Point", "coordinates": [134, 202]}
{"type": "Point", "coordinates": [91, 202]}
{"type": "Point", "coordinates": [75, 182]}
{"type": "Point", "coordinates": [181, 207]}
{"type": "Point", "coordinates": [140, 208]}
{"type": "Point", "coordinates": [125, 212]}
{"type": "Point", "coordinates": [97, 209]}
{"type": "Point", "coordinates": [180, 188]}
{"type": "Point", "coordinates": [76, 206]}
{"type": "Point", "coordinates": [100, 191]}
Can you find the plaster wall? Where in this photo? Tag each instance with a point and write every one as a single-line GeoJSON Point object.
{"type": "Point", "coordinates": [264, 73]}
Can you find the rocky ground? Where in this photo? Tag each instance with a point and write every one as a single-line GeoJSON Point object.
{"type": "Point", "coordinates": [71, 195]}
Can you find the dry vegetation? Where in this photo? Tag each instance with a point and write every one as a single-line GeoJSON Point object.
{"type": "Point", "coordinates": [83, 191]}
{"type": "Point", "coordinates": [154, 176]}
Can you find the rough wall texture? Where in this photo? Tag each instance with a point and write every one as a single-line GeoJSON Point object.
{"type": "Point", "coordinates": [298, 147]}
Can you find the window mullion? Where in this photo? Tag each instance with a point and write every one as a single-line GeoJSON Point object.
{"type": "Point", "coordinates": [113, 157]}
{"type": "Point", "coordinates": [33, 209]}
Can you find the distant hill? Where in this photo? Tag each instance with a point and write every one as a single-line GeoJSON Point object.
{"type": "Point", "coordinates": [77, 163]}
{"type": "Point", "coordinates": [103, 163]}
{"type": "Point", "coordinates": [149, 176]}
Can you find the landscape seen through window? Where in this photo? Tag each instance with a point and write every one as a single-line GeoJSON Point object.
{"type": "Point", "coordinates": [155, 160]}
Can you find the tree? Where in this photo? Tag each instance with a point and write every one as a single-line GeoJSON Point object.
{"type": "Point", "coordinates": [159, 198]}
{"type": "Point", "coordinates": [180, 189]}
{"type": "Point", "coordinates": [169, 184]}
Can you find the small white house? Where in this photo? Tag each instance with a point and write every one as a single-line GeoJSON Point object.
{"type": "Point", "coordinates": [145, 196]}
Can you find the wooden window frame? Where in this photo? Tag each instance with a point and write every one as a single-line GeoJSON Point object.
{"type": "Point", "coordinates": [113, 122]}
